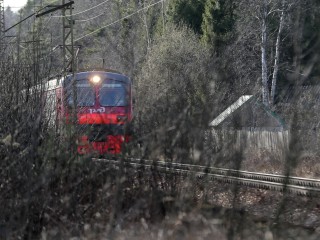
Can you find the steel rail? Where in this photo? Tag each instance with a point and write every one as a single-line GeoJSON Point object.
{"type": "Point", "coordinates": [241, 179]}
{"type": "Point", "coordinates": [240, 173]}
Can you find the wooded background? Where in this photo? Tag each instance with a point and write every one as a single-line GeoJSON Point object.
{"type": "Point", "coordinates": [188, 59]}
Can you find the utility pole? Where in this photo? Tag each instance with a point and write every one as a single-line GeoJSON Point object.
{"type": "Point", "coordinates": [36, 45]}
{"type": "Point", "coordinates": [67, 34]}
{"type": "Point", "coordinates": [19, 42]}
{"type": "Point", "coordinates": [2, 27]}
{"type": "Point", "coordinates": [69, 62]}
{"type": "Point", "coordinates": [68, 52]}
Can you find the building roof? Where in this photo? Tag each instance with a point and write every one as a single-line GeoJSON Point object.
{"type": "Point", "coordinates": [248, 113]}
{"type": "Point", "coordinates": [233, 107]}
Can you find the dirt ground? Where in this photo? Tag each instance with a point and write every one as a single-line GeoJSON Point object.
{"type": "Point", "coordinates": [216, 211]}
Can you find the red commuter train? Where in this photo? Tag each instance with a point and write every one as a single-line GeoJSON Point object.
{"type": "Point", "coordinates": [103, 109]}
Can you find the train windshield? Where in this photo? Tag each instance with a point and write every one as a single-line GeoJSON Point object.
{"type": "Point", "coordinates": [113, 94]}
{"type": "Point", "coordinates": [85, 94]}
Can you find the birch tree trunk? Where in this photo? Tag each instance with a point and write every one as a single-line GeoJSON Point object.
{"type": "Point", "coordinates": [264, 70]}
{"type": "Point", "coordinates": [145, 22]}
{"type": "Point", "coordinates": [276, 59]}
{"type": "Point", "coordinates": [297, 40]}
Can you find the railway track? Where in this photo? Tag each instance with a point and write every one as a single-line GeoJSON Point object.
{"type": "Point", "coordinates": [296, 185]}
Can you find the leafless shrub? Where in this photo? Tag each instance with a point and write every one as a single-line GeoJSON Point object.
{"type": "Point", "coordinates": [174, 93]}
{"type": "Point", "coordinates": [47, 191]}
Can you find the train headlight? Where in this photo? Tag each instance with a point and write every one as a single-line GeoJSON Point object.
{"type": "Point", "coordinates": [96, 79]}
{"type": "Point", "coordinates": [121, 118]}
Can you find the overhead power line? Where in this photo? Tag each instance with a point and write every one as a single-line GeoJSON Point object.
{"type": "Point", "coordinates": [14, 7]}
{"type": "Point", "coordinates": [31, 15]}
{"type": "Point", "coordinates": [128, 16]}
{"type": "Point", "coordinates": [18, 7]}
{"type": "Point", "coordinates": [84, 10]}
{"type": "Point", "coordinates": [89, 19]}
{"type": "Point", "coordinates": [20, 22]}
{"type": "Point", "coordinates": [55, 8]}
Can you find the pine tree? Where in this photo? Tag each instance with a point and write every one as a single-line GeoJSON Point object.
{"type": "Point", "coordinates": [188, 12]}
{"type": "Point", "coordinates": [218, 21]}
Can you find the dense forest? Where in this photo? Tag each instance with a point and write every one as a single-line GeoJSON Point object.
{"type": "Point", "coordinates": [254, 45]}
{"type": "Point", "coordinates": [188, 60]}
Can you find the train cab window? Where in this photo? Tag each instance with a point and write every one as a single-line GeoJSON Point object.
{"type": "Point", "coordinates": [85, 94]}
{"type": "Point", "coordinates": [113, 94]}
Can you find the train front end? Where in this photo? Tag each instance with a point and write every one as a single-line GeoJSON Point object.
{"type": "Point", "coordinates": [103, 103]}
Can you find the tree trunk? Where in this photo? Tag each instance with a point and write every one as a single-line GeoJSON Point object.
{"type": "Point", "coordinates": [297, 40]}
{"type": "Point", "coordinates": [145, 22]}
{"type": "Point", "coordinates": [264, 70]}
{"type": "Point", "coordinates": [276, 59]}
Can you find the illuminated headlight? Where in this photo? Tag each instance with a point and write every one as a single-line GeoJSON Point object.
{"type": "Point", "coordinates": [96, 79]}
{"type": "Point", "coordinates": [121, 118]}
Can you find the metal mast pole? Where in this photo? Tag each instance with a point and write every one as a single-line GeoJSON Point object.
{"type": "Point", "coordinates": [2, 27]}
{"type": "Point", "coordinates": [69, 62]}
{"type": "Point", "coordinates": [67, 34]}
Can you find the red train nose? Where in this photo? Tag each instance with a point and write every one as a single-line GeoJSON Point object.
{"type": "Point", "coordinates": [112, 145]}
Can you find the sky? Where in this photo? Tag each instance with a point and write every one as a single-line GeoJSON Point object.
{"type": "Point", "coordinates": [15, 4]}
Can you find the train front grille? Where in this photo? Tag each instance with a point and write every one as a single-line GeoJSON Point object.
{"type": "Point", "coordinates": [99, 132]}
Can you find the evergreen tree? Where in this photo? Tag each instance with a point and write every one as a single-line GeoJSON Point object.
{"type": "Point", "coordinates": [306, 42]}
{"type": "Point", "coordinates": [218, 22]}
{"type": "Point", "coordinates": [189, 12]}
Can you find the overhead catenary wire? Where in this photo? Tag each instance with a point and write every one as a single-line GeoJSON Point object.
{"type": "Point", "coordinates": [74, 14]}
{"type": "Point", "coordinates": [48, 2]}
{"type": "Point", "coordinates": [89, 19]}
{"type": "Point", "coordinates": [40, 31]}
{"type": "Point", "coordinates": [31, 15]}
{"type": "Point", "coordinates": [125, 17]}
{"type": "Point", "coordinates": [110, 24]}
